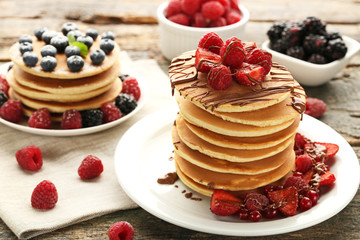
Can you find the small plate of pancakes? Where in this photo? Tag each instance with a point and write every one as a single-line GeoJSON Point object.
{"type": "Point", "coordinates": [23, 126]}
{"type": "Point", "coordinates": [151, 159]}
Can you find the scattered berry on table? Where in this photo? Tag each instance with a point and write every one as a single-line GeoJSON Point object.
{"type": "Point", "coordinates": [71, 119]}
{"type": "Point", "coordinates": [97, 56]}
{"type": "Point", "coordinates": [87, 40]}
{"type": "Point", "coordinates": [38, 32]}
{"type": "Point", "coordinates": [48, 50]}
{"type": "Point", "coordinates": [3, 98]}
{"type": "Point", "coordinates": [60, 43]}
{"type": "Point", "coordinates": [40, 119]}
{"type": "Point", "coordinates": [315, 107]}
{"type": "Point", "coordinates": [48, 35]}
{"type": "Point", "coordinates": [75, 63]}
{"type": "Point", "coordinates": [30, 59]}
{"type": "Point", "coordinates": [48, 63]}
{"type": "Point", "coordinates": [131, 86]}
{"type": "Point", "coordinates": [110, 112]}
{"type": "Point", "coordinates": [67, 27]}
{"type": "Point", "coordinates": [125, 102]}
{"type": "Point", "coordinates": [72, 50]}
{"type": "Point", "coordinates": [93, 33]}
{"type": "Point", "coordinates": [11, 111]}
{"type": "Point", "coordinates": [90, 167]}
{"type": "Point", "coordinates": [92, 117]}
{"type": "Point", "coordinates": [107, 45]}
{"type": "Point", "coordinates": [108, 35]}
{"type": "Point", "coordinates": [220, 77]}
{"type": "Point", "coordinates": [25, 47]}
{"type": "Point", "coordinates": [29, 158]}
{"type": "Point", "coordinates": [25, 38]}
{"type": "Point", "coordinates": [121, 231]}
{"type": "Point", "coordinates": [44, 196]}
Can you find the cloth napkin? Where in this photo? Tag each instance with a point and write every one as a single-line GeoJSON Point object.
{"type": "Point", "coordinates": [78, 200]}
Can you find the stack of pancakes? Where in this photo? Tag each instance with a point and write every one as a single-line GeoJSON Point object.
{"type": "Point", "coordinates": [61, 89]}
{"type": "Point", "coordinates": [236, 139]}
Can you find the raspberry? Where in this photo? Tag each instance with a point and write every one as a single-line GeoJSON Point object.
{"type": "Point", "coordinates": [220, 77]}
{"type": "Point", "coordinates": [125, 102]}
{"type": "Point", "coordinates": [11, 111]}
{"type": "Point", "coordinates": [232, 53]}
{"type": "Point", "coordinates": [92, 117]}
{"type": "Point", "coordinates": [260, 57]}
{"type": "Point", "coordinates": [303, 163]}
{"type": "Point", "coordinates": [199, 20]}
{"type": "Point", "coordinates": [174, 7]}
{"type": "Point", "coordinates": [110, 112]}
{"type": "Point", "coordinates": [249, 74]}
{"type": "Point", "coordinates": [71, 119]}
{"type": "Point", "coordinates": [232, 16]}
{"type": "Point", "coordinates": [44, 196]}
{"type": "Point", "coordinates": [190, 6]}
{"type": "Point", "coordinates": [40, 119]}
{"type": "Point", "coordinates": [300, 141]}
{"type": "Point", "coordinates": [4, 85]}
{"type": "Point", "coordinates": [255, 201]}
{"type": "Point", "coordinates": [90, 167]}
{"type": "Point", "coordinates": [315, 107]}
{"type": "Point", "coordinates": [212, 10]}
{"type": "Point", "coordinates": [29, 158]}
{"type": "Point", "coordinates": [212, 42]}
{"type": "Point", "coordinates": [131, 86]}
{"type": "Point", "coordinates": [121, 231]}
{"type": "Point", "coordinates": [297, 182]}
{"type": "Point", "coordinates": [220, 22]}
{"type": "Point", "coordinates": [180, 18]}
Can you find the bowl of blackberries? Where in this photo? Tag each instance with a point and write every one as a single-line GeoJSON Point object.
{"type": "Point", "coordinates": [308, 50]}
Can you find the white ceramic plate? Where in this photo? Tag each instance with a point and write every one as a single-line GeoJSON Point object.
{"type": "Point", "coordinates": [82, 131]}
{"type": "Point", "coordinates": [142, 156]}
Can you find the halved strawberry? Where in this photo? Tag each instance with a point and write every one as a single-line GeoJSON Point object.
{"type": "Point", "coordinates": [249, 46]}
{"type": "Point", "coordinates": [249, 74]}
{"type": "Point", "coordinates": [287, 199]}
{"type": "Point", "coordinates": [327, 178]}
{"type": "Point", "coordinates": [315, 151]}
{"type": "Point", "coordinates": [212, 42]}
{"type": "Point", "coordinates": [261, 57]}
{"type": "Point", "coordinates": [224, 203]}
{"type": "Point", "coordinates": [331, 148]}
{"type": "Point", "coordinates": [308, 175]}
{"type": "Point", "coordinates": [205, 59]}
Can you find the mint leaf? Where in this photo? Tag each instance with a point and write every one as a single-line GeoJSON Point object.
{"type": "Point", "coordinates": [83, 48]}
{"type": "Point", "coordinates": [71, 39]}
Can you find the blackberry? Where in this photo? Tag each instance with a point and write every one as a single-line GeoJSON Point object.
{"type": "Point", "coordinates": [87, 40]}
{"type": "Point", "coordinates": [125, 102]}
{"type": "Point", "coordinates": [335, 49]}
{"type": "Point", "coordinates": [30, 59]}
{"type": "Point", "coordinates": [107, 45]}
{"type": "Point", "coordinates": [108, 35]}
{"type": "Point", "coordinates": [48, 35]}
{"type": "Point", "coordinates": [317, 59]}
{"type": "Point", "coordinates": [75, 63]}
{"type": "Point", "coordinates": [67, 27]}
{"type": "Point", "coordinates": [296, 52]}
{"type": "Point", "coordinates": [123, 76]}
{"type": "Point", "coordinates": [279, 46]}
{"type": "Point", "coordinates": [60, 42]}
{"type": "Point", "coordinates": [25, 38]}
{"type": "Point", "coordinates": [72, 50]}
{"type": "Point", "coordinates": [48, 63]}
{"type": "Point", "coordinates": [25, 47]}
{"type": "Point", "coordinates": [92, 117]}
{"type": "Point", "coordinates": [3, 98]}
{"type": "Point", "coordinates": [93, 33]}
{"type": "Point", "coordinates": [313, 25]}
{"type": "Point", "coordinates": [48, 50]}
{"type": "Point", "coordinates": [97, 56]}
{"type": "Point", "coordinates": [75, 34]}
{"type": "Point", "coordinates": [333, 35]}
{"type": "Point", "coordinates": [275, 31]}
{"type": "Point", "coordinates": [314, 44]}
{"type": "Point", "coordinates": [38, 32]}
{"type": "Point", "coordinates": [293, 34]}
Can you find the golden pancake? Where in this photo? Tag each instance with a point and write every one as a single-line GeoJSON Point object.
{"type": "Point", "coordinates": [62, 71]}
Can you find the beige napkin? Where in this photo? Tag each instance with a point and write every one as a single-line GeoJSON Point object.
{"type": "Point", "coordinates": [78, 200]}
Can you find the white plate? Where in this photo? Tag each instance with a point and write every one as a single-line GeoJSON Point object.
{"type": "Point", "coordinates": [142, 156]}
{"type": "Point", "coordinates": [82, 131]}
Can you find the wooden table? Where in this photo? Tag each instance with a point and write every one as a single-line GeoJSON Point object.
{"type": "Point", "coordinates": [135, 26]}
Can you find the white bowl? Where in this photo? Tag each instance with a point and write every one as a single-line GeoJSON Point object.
{"type": "Point", "coordinates": [310, 74]}
{"type": "Point", "coordinates": [176, 39]}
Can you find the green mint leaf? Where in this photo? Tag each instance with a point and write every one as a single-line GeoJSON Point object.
{"type": "Point", "coordinates": [83, 48]}
{"type": "Point", "coordinates": [71, 39]}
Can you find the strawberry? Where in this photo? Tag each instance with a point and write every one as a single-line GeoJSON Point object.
{"type": "Point", "coordinates": [331, 148]}
{"type": "Point", "coordinates": [327, 178]}
{"type": "Point", "coordinates": [233, 53]}
{"type": "Point", "coordinates": [315, 151]}
{"type": "Point", "coordinates": [300, 141]}
{"type": "Point", "coordinates": [260, 57]}
{"type": "Point", "coordinates": [249, 74]}
{"type": "Point", "coordinates": [303, 163]}
{"type": "Point", "coordinates": [205, 59]}
{"type": "Point", "coordinates": [212, 42]}
{"type": "Point", "coordinates": [249, 46]}
{"type": "Point", "coordinates": [220, 77]}
{"type": "Point", "coordinates": [308, 175]}
{"type": "Point", "coordinates": [224, 203]}
{"type": "Point", "coordinates": [287, 198]}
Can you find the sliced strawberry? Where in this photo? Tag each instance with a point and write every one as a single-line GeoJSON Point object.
{"type": "Point", "coordinates": [303, 163]}
{"type": "Point", "coordinates": [232, 53]}
{"type": "Point", "coordinates": [327, 178]}
{"type": "Point", "coordinates": [249, 46]}
{"type": "Point", "coordinates": [331, 148]}
{"type": "Point", "coordinates": [220, 77]}
{"type": "Point", "coordinates": [300, 141]}
{"type": "Point", "coordinates": [249, 74]}
{"type": "Point", "coordinates": [315, 151]}
{"type": "Point", "coordinates": [224, 203]}
{"type": "Point", "coordinates": [308, 175]}
{"type": "Point", "coordinates": [212, 42]}
{"type": "Point", "coordinates": [205, 60]}
{"type": "Point", "coordinates": [261, 57]}
{"type": "Point", "coordinates": [287, 199]}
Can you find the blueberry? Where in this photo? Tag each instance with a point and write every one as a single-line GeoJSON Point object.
{"type": "Point", "coordinates": [125, 102]}
{"type": "Point", "coordinates": [38, 32]}
{"type": "Point", "coordinates": [75, 34]}
{"type": "Point", "coordinates": [60, 42]}
{"type": "Point", "coordinates": [87, 40]}
{"type": "Point", "coordinates": [48, 63]}
{"type": "Point", "coordinates": [67, 27]}
{"type": "Point", "coordinates": [97, 56]}
{"type": "Point", "coordinates": [93, 33]}
{"type": "Point", "coordinates": [3, 98]}
{"type": "Point", "coordinates": [92, 117]}
{"type": "Point", "coordinates": [72, 50]}
{"type": "Point", "coordinates": [25, 47]}
{"type": "Point", "coordinates": [108, 35]}
{"type": "Point", "coordinates": [75, 63]}
{"type": "Point", "coordinates": [48, 50]}
{"type": "Point", "coordinates": [25, 38]}
{"type": "Point", "coordinates": [48, 35]}
{"type": "Point", "coordinates": [30, 59]}
{"type": "Point", "coordinates": [107, 45]}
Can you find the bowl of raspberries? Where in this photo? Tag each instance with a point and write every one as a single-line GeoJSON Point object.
{"type": "Point", "coordinates": [311, 53]}
{"type": "Point", "coordinates": [183, 22]}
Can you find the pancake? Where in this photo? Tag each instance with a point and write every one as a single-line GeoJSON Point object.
{"type": "Point", "coordinates": [62, 71]}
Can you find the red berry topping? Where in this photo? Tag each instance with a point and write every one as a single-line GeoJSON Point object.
{"type": "Point", "coordinates": [29, 158]}
{"type": "Point", "coordinates": [180, 18]}
{"type": "Point", "coordinates": [297, 182]}
{"type": "Point", "coordinates": [71, 119]}
{"type": "Point", "coordinates": [110, 112]}
{"type": "Point", "coordinates": [303, 163]}
{"type": "Point", "coordinates": [205, 59]}
{"type": "Point", "coordinates": [212, 10]}
{"type": "Point", "coordinates": [315, 107]}
{"type": "Point", "coordinates": [287, 198]}
{"type": "Point", "coordinates": [174, 7]}
{"type": "Point", "coordinates": [220, 77]}
{"type": "Point", "coordinates": [121, 231]}
{"type": "Point", "coordinates": [233, 16]}
{"type": "Point", "coordinates": [11, 111]}
{"type": "Point", "coordinates": [190, 6]}
{"type": "Point", "coordinates": [224, 203]}
{"type": "Point", "coordinates": [249, 46]}
{"type": "Point", "coordinates": [232, 52]}
{"type": "Point", "coordinates": [40, 119]}
{"type": "Point", "coordinates": [260, 57]}
{"type": "Point", "coordinates": [255, 201]}
{"type": "Point", "coordinates": [249, 74]}
{"type": "Point", "coordinates": [305, 203]}
{"type": "Point", "coordinates": [44, 196]}
{"type": "Point", "coordinates": [212, 42]}
{"type": "Point", "coordinates": [131, 86]}
{"type": "Point", "coordinates": [327, 178]}
{"type": "Point", "coordinates": [90, 167]}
